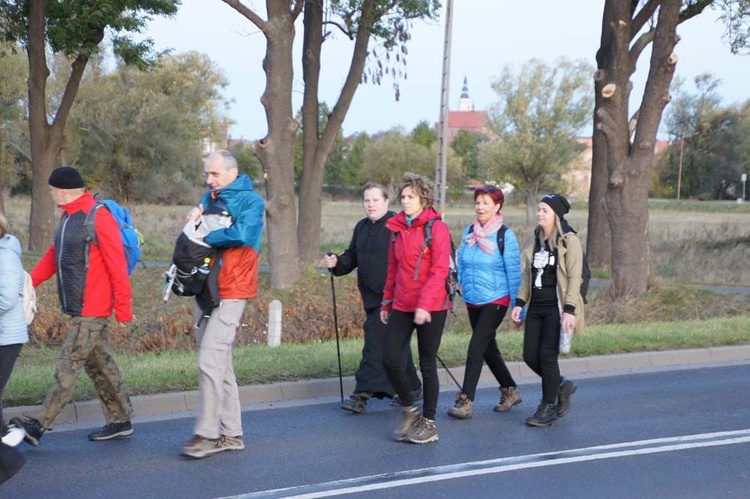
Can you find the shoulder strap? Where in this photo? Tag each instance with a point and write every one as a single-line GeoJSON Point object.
{"type": "Point", "coordinates": [500, 237]}
{"type": "Point", "coordinates": [90, 223]}
{"type": "Point", "coordinates": [427, 243]}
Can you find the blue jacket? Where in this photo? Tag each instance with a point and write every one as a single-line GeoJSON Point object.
{"type": "Point", "coordinates": [484, 277]}
{"type": "Point", "coordinates": [238, 276]}
{"type": "Point", "coordinates": [13, 328]}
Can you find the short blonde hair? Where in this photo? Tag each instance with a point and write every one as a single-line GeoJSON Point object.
{"type": "Point", "coordinates": [3, 225]}
{"type": "Point", "coordinates": [421, 185]}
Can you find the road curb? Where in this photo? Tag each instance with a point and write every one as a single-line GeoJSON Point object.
{"type": "Point", "coordinates": [183, 404]}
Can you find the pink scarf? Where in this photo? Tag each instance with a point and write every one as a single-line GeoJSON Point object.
{"type": "Point", "coordinates": [480, 234]}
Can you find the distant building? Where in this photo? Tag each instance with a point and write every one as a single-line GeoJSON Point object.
{"type": "Point", "coordinates": [466, 118]}
{"type": "Point", "coordinates": [577, 176]}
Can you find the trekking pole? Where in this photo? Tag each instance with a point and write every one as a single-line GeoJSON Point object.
{"type": "Point", "coordinates": [449, 372]}
{"type": "Point", "coordinates": [336, 327]}
{"type": "Point", "coordinates": [448, 323]}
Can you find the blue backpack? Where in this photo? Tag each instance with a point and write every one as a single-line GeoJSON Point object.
{"type": "Point", "coordinates": [131, 239]}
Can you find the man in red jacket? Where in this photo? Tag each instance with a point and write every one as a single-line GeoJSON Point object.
{"type": "Point", "coordinates": [92, 281]}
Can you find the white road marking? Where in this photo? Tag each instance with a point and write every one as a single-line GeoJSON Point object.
{"type": "Point", "coordinates": [501, 465]}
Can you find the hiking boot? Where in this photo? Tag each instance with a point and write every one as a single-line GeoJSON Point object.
{"type": "Point", "coordinates": [230, 443]}
{"type": "Point", "coordinates": [564, 394]}
{"type": "Point", "coordinates": [423, 432]}
{"type": "Point", "coordinates": [13, 436]}
{"type": "Point", "coordinates": [463, 408]}
{"type": "Point", "coordinates": [112, 430]}
{"type": "Point", "coordinates": [545, 415]}
{"type": "Point", "coordinates": [31, 426]}
{"type": "Point", "coordinates": [199, 447]}
{"type": "Point", "coordinates": [409, 416]}
{"type": "Point", "coordinates": [509, 397]}
{"type": "Point", "coordinates": [415, 394]}
{"type": "Point", "coordinates": [356, 403]}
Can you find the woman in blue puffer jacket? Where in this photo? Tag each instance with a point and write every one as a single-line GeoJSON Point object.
{"type": "Point", "coordinates": [489, 279]}
{"type": "Point", "coordinates": [13, 332]}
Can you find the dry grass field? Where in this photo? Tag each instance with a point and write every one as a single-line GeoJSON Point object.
{"type": "Point", "coordinates": [694, 243]}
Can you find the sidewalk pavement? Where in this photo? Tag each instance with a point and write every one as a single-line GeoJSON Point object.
{"type": "Point", "coordinates": [186, 404]}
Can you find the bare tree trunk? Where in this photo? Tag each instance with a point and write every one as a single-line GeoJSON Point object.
{"type": "Point", "coordinates": [317, 147]}
{"type": "Point", "coordinates": [42, 223]}
{"type": "Point", "coordinates": [46, 140]}
{"type": "Point", "coordinates": [311, 180]}
{"type": "Point", "coordinates": [631, 168]}
{"type": "Point", "coordinates": [276, 149]}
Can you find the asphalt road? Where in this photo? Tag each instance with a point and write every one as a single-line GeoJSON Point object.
{"type": "Point", "coordinates": [677, 433]}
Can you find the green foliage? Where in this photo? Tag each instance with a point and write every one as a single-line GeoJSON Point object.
{"type": "Point", "coordinates": [247, 161]}
{"type": "Point", "coordinates": [145, 128]}
{"type": "Point", "coordinates": [711, 145]}
{"type": "Point", "coordinates": [541, 109]}
{"type": "Point", "coordinates": [466, 146]}
{"type": "Point", "coordinates": [76, 27]}
{"type": "Point", "coordinates": [14, 147]}
{"type": "Point", "coordinates": [423, 134]}
{"type": "Point", "coordinates": [387, 158]}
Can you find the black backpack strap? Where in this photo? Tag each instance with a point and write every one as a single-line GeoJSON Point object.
{"type": "Point", "coordinates": [90, 224]}
{"type": "Point", "coordinates": [500, 237]}
{"type": "Point", "coordinates": [427, 243]}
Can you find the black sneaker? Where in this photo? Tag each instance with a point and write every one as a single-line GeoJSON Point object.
{"type": "Point", "coordinates": [545, 415]}
{"type": "Point", "coordinates": [112, 430]}
{"type": "Point", "coordinates": [31, 426]}
{"type": "Point", "coordinates": [357, 403]}
{"type": "Point", "coordinates": [564, 394]}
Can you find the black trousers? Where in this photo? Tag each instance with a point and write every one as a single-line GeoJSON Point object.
{"type": "Point", "coordinates": [541, 348]}
{"type": "Point", "coordinates": [483, 347]}
{"type": "Point", "coordinates": [10, 459]}
{"type": "Point", "coordinates": [371, 376]}
{"type": "Point", "coordinates": [8, 356]}
{"type": "Point", "coordinates": [398, 334]}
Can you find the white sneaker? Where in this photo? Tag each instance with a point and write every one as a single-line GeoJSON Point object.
{"type": "Point", "coordinates": [14, 436]}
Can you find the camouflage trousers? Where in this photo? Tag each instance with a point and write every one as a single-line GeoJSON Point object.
{"type": "Point", "coordinates": [86, 346]}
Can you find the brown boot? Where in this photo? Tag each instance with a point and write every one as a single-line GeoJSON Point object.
{"type": "Point", "coordinates": [509, 397]}
{"type": "Point", "coordinates": [463, 408]}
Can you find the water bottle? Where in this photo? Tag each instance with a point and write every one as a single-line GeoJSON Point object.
{"type": "Point", "coordinates": [566, 338]}
{"type": "Point", "coordinates": [205, 269]}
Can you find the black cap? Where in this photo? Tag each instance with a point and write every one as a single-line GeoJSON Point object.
{"type": "Point", "coordinates": [66, 177]}
{"type": "Point", "coordinates": [558, 204]}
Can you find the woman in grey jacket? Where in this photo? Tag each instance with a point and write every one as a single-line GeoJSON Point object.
{"type": "Point", "coordinates": [489, 272]}
{"type": "Point", "coordinates": [551, 288]}
{"type": "Point", "coordinates": [13, 332]}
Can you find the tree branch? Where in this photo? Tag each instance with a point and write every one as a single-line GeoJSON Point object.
{"type": "Point", "coordinates": [250, 15]}
{"type": "Point", "coordinates": [297, 9]}
{"type": "Point", "coordinates": [693, 10]}
{"type": "Point", "coordinates": [68, 98]}
{"type": "Point", "coordinates": [345, 31]}
{"type": "Point", "coordinates": [641, 43]}
{"type": "Point", "coordinates": [642, 17]}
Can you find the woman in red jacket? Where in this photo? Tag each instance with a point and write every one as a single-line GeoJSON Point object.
{"type": "Point", "coordinates": [415, 296]}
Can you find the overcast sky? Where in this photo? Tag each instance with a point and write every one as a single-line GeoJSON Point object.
{"type": "Point", "coordinates": [487, 34]}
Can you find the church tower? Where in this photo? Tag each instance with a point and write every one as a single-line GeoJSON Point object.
{"type": "Point", "coordinates": [465, 103]}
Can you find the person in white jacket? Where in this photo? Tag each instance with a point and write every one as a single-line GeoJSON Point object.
{"type": "Point", "coordinates": [13, 334]}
